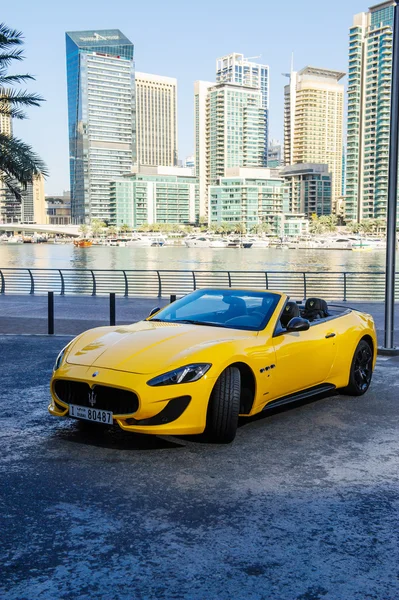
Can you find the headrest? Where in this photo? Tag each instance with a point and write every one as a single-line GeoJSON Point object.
{"type": "Point", "coordinates": [234, 301]}
{"type": "Point", "coordinates": [291, 310]}
{"type": "Point", "coordinates": [316, 304]}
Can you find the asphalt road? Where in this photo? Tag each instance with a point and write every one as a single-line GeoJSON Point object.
{"type": "Point", "coordinates": [304, 505]}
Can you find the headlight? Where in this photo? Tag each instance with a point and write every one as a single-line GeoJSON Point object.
{"type": "Point", "coordinates": [59, 358]}
{"type": "Point", "coordinates": [186, 374]}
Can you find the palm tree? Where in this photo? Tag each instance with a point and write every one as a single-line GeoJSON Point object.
{"type": "Point", "coordinates": [366, 226]}
{"type": "Point", "coordinates": [97, 227]}
{"type": "Point", "coordinates": [125, 228]}
{"type": "Point", "coordinates": [19, 164]}
{"type": "Point", "coordinates": [83, 229]}
{"type": "Point", "coordinates": [112, 231]}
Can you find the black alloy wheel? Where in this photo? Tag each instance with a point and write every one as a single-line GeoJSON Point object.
{"type": "Point", "coordinates": [361, 370]}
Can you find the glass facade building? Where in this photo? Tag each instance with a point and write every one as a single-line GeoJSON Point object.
{"type": "Point", "coordinates": [234, 68]}
{"type": "Point", "coordinates": [369, 103]}
{"type": "Point", "coordinates": [102, 119]}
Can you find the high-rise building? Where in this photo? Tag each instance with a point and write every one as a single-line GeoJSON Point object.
{"type": "Point", "coordinates": [307, 189]}
{"type": "Point", "coordinates": [313, 121]}
{"type": "Point", "coordinates": [229, 132]}
{"type": "Point", "coordinates": [369, 101]}
{"type": "Point", "coordinates": [102, 120]}
{"type": "Point", "coordinates": [156, 118]}
{"type": "Point", "coordinates": [275, 154]}
{"type": "Point", "coordinates": [234, 68]}
{"type": "Point", "coordinates": [30, 208]}
{"type": "Point", "coordinates": [5, 125]}
{"type": "Point", "coordinates": [201, 90]}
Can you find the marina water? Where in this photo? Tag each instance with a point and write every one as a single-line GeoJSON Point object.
{"type": "Point", "coordinates": [56, 256]}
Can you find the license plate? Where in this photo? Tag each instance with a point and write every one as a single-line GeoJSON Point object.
{"type": "Point", "coordinates": [91, 414]}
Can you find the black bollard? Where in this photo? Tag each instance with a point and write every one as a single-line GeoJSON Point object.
{"type": "Point", "coordinates": [112, 309]}
{"type": "Point", "coordinates": [50, 312]}
{"type": "Point", "coordinates": [172, 298]}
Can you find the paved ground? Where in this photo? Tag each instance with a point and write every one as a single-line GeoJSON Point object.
{"type": "Point", "coordinates": [304, 505]}
{"type": "Point", "coordinates": [74, 314]}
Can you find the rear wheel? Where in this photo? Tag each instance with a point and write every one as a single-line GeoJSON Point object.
{"type": "Point", "coordinates": [361, 370]}
{"type": "Point", "coordinates": [224, 407]}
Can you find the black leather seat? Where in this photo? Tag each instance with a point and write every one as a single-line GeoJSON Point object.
{"type": "Point", "coordinates": [315, 308]}
{"type": "Point", "coordinates": [291, 310]}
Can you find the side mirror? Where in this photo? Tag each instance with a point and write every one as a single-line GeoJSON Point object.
{"type": "Point", "coordinates": [153, 311]}
{"type": "Point", "coordinates": [298, 324]}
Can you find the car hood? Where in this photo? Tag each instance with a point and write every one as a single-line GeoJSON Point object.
{"type": "Point", "coordinates": [147, 347]}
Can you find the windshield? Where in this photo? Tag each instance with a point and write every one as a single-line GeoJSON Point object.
{"type": "Point", "coordinates": [234, 309]}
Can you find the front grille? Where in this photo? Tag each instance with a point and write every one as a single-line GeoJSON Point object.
{"type": "Point", "coordinates": [118, 401]}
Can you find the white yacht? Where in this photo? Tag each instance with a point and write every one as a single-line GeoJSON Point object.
{"type": "Point", "coordinates": [15, 239]}
{"type": "Point", "coordinates": [202, 241]}
{"type": "Point", "coordinates": [139, 242]}
{"type": "Point", "coordinates": [255, 242]}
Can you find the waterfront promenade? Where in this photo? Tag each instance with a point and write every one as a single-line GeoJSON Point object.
{"type": "Point", "coordinates": [73, 314]}
{"type": "Point", "coordinates": [303, 505]}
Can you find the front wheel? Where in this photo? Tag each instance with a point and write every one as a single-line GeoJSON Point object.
{"type": "Point", "coordinates": [224, 407]}
{"type": "Point", "coordinates": [361, 370]}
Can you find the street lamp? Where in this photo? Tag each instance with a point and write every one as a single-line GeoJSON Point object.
{"type": "Point", "coordinates": [392, 194]}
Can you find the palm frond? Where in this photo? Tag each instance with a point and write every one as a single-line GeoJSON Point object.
{"type": "Point", "coordinates": [7, 57]}
{"type": "Point", "coordinates": [13, 186]}
{"type": "Point", "coordinates": [11, 102]}
{"type": "Point", "coordinates": [18, 160]}
{"type": "Point", "coordinates": [11, 79]}
{"type": "Point", "coordinates": [9, 37]}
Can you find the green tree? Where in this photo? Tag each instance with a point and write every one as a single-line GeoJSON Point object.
{"type": "Point", "coordinates": [19, 164]}
{"type": "Point", "coordinates": [97, 227]}
{"type": "Point", "coordinates": [125, 228]}
{"type": "Point", "coordinates": [353, 226]}
{"type": "Point", "coordinates": [83, 229]}
{"type": "Point", "coordinates": [366, 226]}
{"type": "Point", "coordinates": [329, 222]}
{"type": "Point", "coordinates": [112, 230]}
{"type": "Point", "coordinates": [315, 225]}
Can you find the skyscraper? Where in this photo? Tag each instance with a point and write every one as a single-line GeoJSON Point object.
{"type": "Point", "coordinates": [369, 101]}
{"type": "Point", "coordinates": [156, 100]}
{"type": "Point", "coordinates": [101, 114]}
{"type": "Point", "coordinates": [313, 121]}
{"type": "Point", "coordinates": [201, 89]}
{"type": "Point", "coordinates": [234, 68]}
{"type": "Point", "coordinates": [230, 129]}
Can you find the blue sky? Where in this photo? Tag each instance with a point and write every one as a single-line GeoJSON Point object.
{"type": "Point", "coordinates": [177, 39]}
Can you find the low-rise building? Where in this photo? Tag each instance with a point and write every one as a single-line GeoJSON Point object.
{"type": "Point", "coordinates": [155, 195]}
{"type": "Point", "coordinates": [307, 190]}
{"type": "Point", "coordinates": [59, 209]}
{"type": "Point", "coordinates": [252, 196]}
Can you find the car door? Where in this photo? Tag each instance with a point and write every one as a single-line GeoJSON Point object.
{"type": "Point", "coordinates": [305, 358]}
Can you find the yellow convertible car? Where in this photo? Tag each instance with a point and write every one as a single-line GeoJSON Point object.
{"type": "Point", "coordinates": [210, 357]}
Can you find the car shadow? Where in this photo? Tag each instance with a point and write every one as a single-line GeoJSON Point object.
{"type": "Point", "coordinates": [272, 411]}
{"type": "Point", "coordinates": [113, 438]}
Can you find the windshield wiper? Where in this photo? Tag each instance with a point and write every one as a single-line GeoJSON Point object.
{"type": "Point", "coordinates": [192, 322]}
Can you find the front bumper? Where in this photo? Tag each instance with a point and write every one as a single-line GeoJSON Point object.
{"type": "Point", "coordinates": [168, 410]}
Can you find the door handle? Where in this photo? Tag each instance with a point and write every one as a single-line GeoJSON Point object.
{"type": "Point", "coordinates": [330, 335]}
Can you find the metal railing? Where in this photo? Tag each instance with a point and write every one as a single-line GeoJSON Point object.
{"type": "Point", "coordinates": [345, 285]}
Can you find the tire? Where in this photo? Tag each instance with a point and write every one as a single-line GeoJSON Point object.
{"type": "Point", "coordinates": [224, 407]}
{"type": "Point", "coordinates": [361, 370]}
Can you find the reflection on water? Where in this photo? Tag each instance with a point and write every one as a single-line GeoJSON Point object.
{"type": "Point", "coordinates": [49, 256]}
